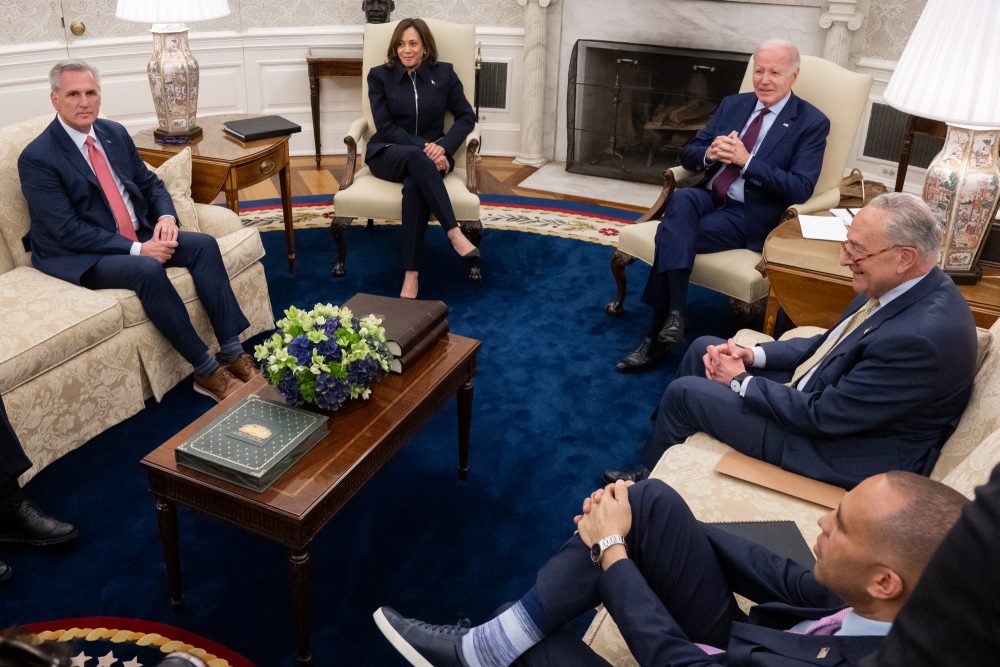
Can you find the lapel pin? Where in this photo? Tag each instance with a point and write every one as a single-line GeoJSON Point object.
{"type": "Point", "coordinates": [866, 331]}
{"type": "Point", "coordinates": [823, 652]}
{"type": "Point", "coordinates": [785, 124]}
{"type": "Point", "coordinates": [433, 83]}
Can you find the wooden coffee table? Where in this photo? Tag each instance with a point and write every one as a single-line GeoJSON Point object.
{"type": "Point", "coordinates": [363, 436]}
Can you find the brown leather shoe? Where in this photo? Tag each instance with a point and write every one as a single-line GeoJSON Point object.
{"type": "Point", "coordinates": [220, 384]}
{"type": "Point", "coordinates": [243, 367]}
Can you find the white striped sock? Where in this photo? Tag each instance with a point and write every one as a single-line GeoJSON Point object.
{"type": "Point", "coordinates": [499, 642]}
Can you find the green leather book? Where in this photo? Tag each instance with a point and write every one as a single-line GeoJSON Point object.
{"type": "Point", "coordinates": [253, 443]}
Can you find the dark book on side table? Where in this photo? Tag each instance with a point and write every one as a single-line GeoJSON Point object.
{"type": "Point", "coordinates": [253, 442]}
{"type": "Point", "coordinates": [781, 537]}
{"type": "Point", "coordinates": [262, 127]}
{"type": "Point", "coordinates": [412, 326]}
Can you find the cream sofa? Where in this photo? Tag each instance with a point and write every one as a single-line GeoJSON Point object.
{"type": "Point", "coordinates": [965, 463]}
{"type": "Point", "coordinates": [73, 361]}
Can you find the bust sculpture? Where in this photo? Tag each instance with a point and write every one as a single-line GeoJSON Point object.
{"type": "Point", "coordinates": [377, 11]}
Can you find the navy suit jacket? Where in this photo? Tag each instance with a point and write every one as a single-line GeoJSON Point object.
{"type": "Point", "coordinates": [785, 168]}
{"type": "Point", "coordinates": [413, 113]}
{"type": "Point", "coordinates": [72, 224]}
{"type": "Point", "coordinates": [887, 396]}
{"type": "Point", "coordinates": [787, 593]}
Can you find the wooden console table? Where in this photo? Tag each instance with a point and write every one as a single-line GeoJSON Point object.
{"type": "Point", "coordinates": [809, 283]}
{"type": "Point", "coordinates": [326, 67]}
{"type": "Point", "coordinates": [221, 162]}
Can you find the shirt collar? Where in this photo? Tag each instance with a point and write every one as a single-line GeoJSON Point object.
{"type": "Point", "coordinates": [776, 107]}
{"type": "Point", "coordinates": [76, 136]}
{"type": "Point", "coordinates": [859, 625]}
{"type": "Point", "coordinates": [422, 70]}
{"type": "Point", "coordinates": [899, 290]}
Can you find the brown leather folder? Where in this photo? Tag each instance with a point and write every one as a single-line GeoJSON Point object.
{"type": "Point", "coordinates": [772, 477]}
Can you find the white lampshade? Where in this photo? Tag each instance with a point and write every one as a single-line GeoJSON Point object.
{"type": "Point", "coordinates": [950, 68]}
{"type": "Point", "coordinates": [171, 11]}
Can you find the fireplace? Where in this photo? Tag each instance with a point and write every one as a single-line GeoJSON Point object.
{"type": "Point", "coordinates": [631, 107]}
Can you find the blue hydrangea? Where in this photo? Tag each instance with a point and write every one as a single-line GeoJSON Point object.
{"type": "Point", "coordinates": [289, 388]}
{"type": "Point", "coordinates": [361, 371]}
{"type": "Point", "coordinates": [301, 349]}
{"type": "Point", "coordinates": [330, 350]}
{"type": "Point", "coordinates": [331, 326]}
{"type": "Point", "coordinates": [331, 392]}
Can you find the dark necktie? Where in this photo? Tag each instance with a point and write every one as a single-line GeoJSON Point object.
{"type": "Point", "coordinates": [729, 175]}
{"type": "Point", "coordinates": [111, 192]}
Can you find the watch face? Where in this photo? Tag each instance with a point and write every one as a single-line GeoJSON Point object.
{"type": "Point", "coordinates": [595, 552]}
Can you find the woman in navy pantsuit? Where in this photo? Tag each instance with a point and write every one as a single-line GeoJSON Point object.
{"type": "Point", "coordinates": [409, 96]}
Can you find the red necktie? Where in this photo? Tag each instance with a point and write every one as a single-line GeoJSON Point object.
{"type": "Point", "coordinates": [111, 192]}
{"type": "Point", "coordinates": [729, 175]}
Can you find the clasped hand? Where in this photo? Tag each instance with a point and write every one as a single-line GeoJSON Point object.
{"type": "Point", "coordinates": [724, 362]}
{"type": "Point", "coordinates": [163, 242]}
{"type": "Point", "coordinates": [436, 154]}
{"type": "Point", "coordinates": [728, 149]}
{"type": "Point", "coordinates": [605, 512]}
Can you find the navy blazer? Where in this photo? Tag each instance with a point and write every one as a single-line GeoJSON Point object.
{"type": "Point", "coordinates": [785, 168]}
{"type": "Point", "coordinates": [787, 593]}
{"type": "Point", "coordinates": [72, 224]}
{"type": "Point", "coordinates": [887, 396]}
{"type": "Point", "coordinates": [412, 112]}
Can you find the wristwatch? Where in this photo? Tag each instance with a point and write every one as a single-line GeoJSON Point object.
{"type": "Point", "coordinates": [737, 382]}
{"type": "Point", "coordinates": [597, 551]}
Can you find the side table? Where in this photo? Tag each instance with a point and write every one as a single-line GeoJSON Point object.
{"type": "Point", "coordinates": [322, 68]}
{"type": "Point", "coordinates": [221, 162]}
{"type": "Point", "coordinates": [808, 282]}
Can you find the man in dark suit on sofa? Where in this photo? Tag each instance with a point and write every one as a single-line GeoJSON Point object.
{"type": "Point", "coordinates": [101, 219]}
{"type": "Point", "coordinates": [20, 519]}
{"type": "Point", "coordinates": [760, 153]}
{"type": "Point", "coordinates": [668, 582]}
{"type": "Point", "coordinates": [881, 390]}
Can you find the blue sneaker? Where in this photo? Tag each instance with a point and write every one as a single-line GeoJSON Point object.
{"type": "Point", "coordinates": [422, 644]}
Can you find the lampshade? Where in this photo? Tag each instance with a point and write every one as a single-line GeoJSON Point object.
{"type": "Point", "coordinates": [948, 70]}
{"type": "Point", "coordinates": [171, 11]}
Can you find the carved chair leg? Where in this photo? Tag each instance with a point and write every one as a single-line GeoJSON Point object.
{"type": "Point", "coordinates": [337, 227]}
{"type": "Point", "coordinates": [473, 230]}
{"type": "Point", "coordinates": [746, 313]}
{"type": "Point", "coordinates": [370, 227]}
{"type": "Point", "coordinates": [619, 261]}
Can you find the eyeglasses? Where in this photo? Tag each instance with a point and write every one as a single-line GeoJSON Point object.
{"type": "Point", "coordinates": [855, 258]}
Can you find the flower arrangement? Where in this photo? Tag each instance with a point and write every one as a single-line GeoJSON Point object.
{"type": "Point", "coordinates": [324, 356]}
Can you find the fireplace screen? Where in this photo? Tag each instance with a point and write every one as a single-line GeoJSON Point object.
{"type": "Point", "coordinates": [631, 107]}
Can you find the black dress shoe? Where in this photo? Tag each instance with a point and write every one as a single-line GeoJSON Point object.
{"type": "Point", "coordinates": [611, 476]}
{"type": "Point", "coordinates": [422, 643]}
{"type": "Point", "coordinates": [644, 357]}
{"type": "Point", "coordinates": [471, 260]}
{"type": "Point", "coordinates": [22, 521]}
{"type": "Point", "coordinates": [673, 329]}
{"type": "Point", "coordinates": [5, 572]}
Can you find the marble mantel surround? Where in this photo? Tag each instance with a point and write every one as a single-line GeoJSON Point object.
{"type": "Point", "coordinates": [817, 27]}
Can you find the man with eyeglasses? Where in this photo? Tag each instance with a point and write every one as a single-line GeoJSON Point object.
{"type": "Point", "coordinates": [882, 390]}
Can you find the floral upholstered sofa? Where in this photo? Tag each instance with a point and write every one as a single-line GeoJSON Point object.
{"type": "Point", "coordinates": [73, 361]}
{"type": "Point", "coordinates": [966, 460]}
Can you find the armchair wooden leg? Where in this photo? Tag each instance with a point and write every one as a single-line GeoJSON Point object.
{"type": "Point", "coordinates": [473, 230]}
{"type": "Point", "coordinates": [337, 227]}
{"type": "Point", "coordinates": [370, 227]}
{"type": "Point", "coordinates": [619, 261]}
{"type": "Point", "coordinates": [746, 313]}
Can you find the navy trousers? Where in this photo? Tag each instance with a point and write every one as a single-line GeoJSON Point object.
{"type": "Point", "coordinates": [691, 225]}
{"type": "Point", "coordinates": [13, 461]}
{"type": "Point", "coordinates": [692, 403]}
{"type": "Point", "coordinates": [199, 254]}
{"type": "Point", "coordinates": [423, 194]}
{"type": "Point", "coordinates": [676, 559]}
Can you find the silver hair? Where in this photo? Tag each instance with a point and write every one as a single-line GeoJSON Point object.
{"type": "Point", "coordinates": [781, 44]}
{"type": "Point", "coordinates": [911, 223]}
{"type": "Point", "coordinates": [55, 74]}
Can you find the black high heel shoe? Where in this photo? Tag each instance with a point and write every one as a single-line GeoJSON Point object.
{"type": "Point", "coordinates": [471, 260]}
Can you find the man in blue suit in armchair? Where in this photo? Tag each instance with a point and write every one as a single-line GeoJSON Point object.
{"type": "Point", "coordinates": [759, 153]}
{"type": "Point", "coordinates": [883, 389]}
{"type": "Point", "coordinates": [101, 219]}
{"type": "Point", "coordinates": [668, 582]}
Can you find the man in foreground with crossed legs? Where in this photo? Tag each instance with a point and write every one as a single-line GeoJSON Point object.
{"type": "Point", "coordinates": [668, 582]}
{"type": "Point", "coordinates": [881, 390]}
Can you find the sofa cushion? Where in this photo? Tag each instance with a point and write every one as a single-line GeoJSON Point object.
{"type": "Point", "coordinates": [974, 470]}
{"type": "Point", "coordinates": [47, 321]}
{"type": "Point", "coordinates": [239, 250]}
{"type": "Point", "coordinates": [176, 176]}
{"type": "Point", "coordinates": [14, 218]}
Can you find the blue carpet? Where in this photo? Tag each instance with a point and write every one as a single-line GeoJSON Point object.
{"type": "Point", "coordinates": [549, 414]}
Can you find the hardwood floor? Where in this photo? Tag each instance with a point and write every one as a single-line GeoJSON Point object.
{"type": "Point", "coordinates": [497, 175]}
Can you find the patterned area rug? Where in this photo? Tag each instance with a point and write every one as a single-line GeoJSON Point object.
{"type": "Point", "coordinates": [575, 220]}
{"type": "Point", "coordinates": [106, 641]}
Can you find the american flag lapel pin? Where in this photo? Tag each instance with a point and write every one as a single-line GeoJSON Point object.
{"type": "Point", "coordinates": [433, 83]}
{"type": "Point", "coordinates": [823, 652]}
{"type": "Point", "coordinates": [784, 124]}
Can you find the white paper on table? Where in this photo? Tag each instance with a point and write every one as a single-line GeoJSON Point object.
{"type": "Point", "coordinates": [845, 214]}
{"type": "Point", "coordinates": [823, 227]}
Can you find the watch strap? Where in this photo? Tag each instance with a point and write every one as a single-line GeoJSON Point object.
{"type": "Point", "coordinates": [597, 554]}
